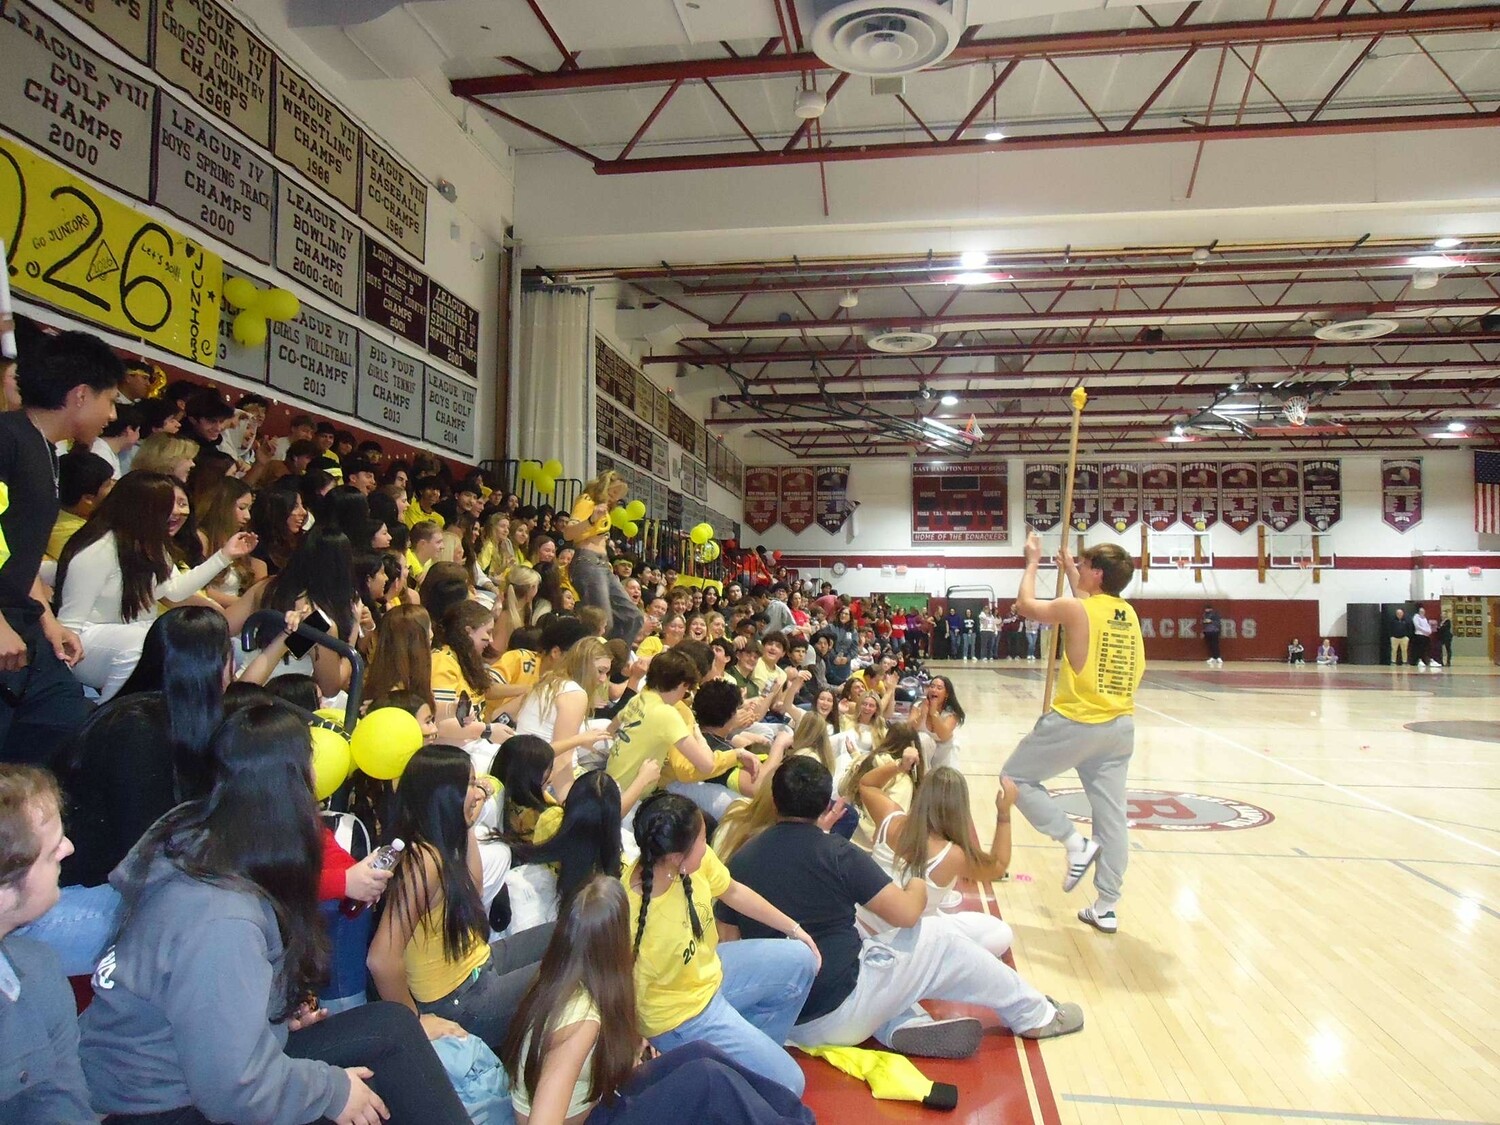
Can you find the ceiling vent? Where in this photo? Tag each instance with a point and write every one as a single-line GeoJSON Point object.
{"type": "Point", "coordinates": [901, 341]}
{"type": "Point", "coordinates": [882, 38]}
{"type": "Point", "coordinates": [1355, 331]}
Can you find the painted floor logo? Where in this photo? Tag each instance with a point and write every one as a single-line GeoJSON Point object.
{"type": "Point", "coordinates": [1164, 811]}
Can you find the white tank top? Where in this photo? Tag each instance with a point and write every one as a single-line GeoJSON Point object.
{"type": "Point", "coordinates": [940, 896]}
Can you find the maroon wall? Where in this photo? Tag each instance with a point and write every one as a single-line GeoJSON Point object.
{"type": "Point", "coordinates": [1251, 630]}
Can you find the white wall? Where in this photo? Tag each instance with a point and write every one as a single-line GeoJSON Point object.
{"type": "Point", "coordinates": [1371, 558]}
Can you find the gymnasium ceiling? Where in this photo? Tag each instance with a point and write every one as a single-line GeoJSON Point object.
{"type": "Point", "coordinates": [1185, 196]}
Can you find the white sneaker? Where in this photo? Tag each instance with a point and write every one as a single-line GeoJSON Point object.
{"type": "Point", "coordinates": [1209, 662]}
{"type": "Point", "coordinates": [1102, 920]}
{"type": "Point", "coordinates": [1079, 862]}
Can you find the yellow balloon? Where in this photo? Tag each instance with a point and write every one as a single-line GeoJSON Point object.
{"type": "Point", "coordinates": [710, 551]}
{"type": "Point", "coordinates": [544, 484]}
{"type": "Point", "coordinates": [618, 517]}
{"type": "Point", "coordinates": [240, 293]}
{"type": "Point", "coordinates": [331, 761]}
{"type": "Point", "coordinates": [552, 469]}
{"type": "Point", "coordinates": [702, 533]}
{"type": "Point", "coordinates": [631, 530]}
{"type": "Point", "coordinates": [635, 510]}
{"type": "Point", "coordinates": [249, 329]}
{"type": "Point", "coordinates": [384, 742]}
{"type": "Point", "coordinates": [280, 304]}
{"type": "Point", "coordinates": [530, 470]}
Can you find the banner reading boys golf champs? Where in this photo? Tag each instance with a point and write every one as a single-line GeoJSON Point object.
{"type": "Point", "coordinates": [127, 272]}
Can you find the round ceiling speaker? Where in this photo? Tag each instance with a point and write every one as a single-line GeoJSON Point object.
{"type": "Point", "coordinates": [1354, 331]}
{"type": "Point", "coordinates": [884, 37]}
{"type": "Point", "coordinates": [901, 341]}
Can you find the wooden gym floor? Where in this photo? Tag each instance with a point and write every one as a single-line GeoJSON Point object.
{"type": "Point", "coordinates": [1337, 963]}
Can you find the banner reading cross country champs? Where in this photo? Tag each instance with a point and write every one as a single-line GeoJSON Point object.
{"type": "Point", "coordinates": [833, 497]}
{"type": "Point", "coordinates": [1043, 496]}
{"type": "Point", "coordinates": [1159, 495]}
{"type": "Point", "coordinates": [1401, 492]}
{"type": "Point", "coordinates": [1119, 495]}
{"type": "Point", "coordinates": [798, 489]}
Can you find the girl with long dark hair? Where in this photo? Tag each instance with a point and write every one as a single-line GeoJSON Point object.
{"type": "Point", "coordinates": [278, 516]}
{"type": "Point", "coordinates": [221, 923]}
{"type": "Point", "coordinates": [225, 510]}
{"type": "Point", "coordinates": [118, 566]}
{"type": "Point", "coordinates": [320, 573]}
{"type": "Point", "coordinates": [683, 978]}
{"type": "Point", "coordinates": [939, 715]}
{"type": "Point", "coordinates": [429, 952]}
{"type": "Point", "coordinates": [572, 1049]}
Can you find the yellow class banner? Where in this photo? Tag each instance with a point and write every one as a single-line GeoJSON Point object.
{"type": "Point", "coordinates": [71, 246]}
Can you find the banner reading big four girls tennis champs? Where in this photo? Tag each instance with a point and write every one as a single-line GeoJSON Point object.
{"type": "Point", "coordinates": [207, 153]}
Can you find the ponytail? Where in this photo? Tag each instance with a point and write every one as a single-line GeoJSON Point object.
{"type": "Point", "coordinates": [665, 823]}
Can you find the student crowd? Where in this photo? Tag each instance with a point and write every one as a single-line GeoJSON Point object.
{"type": "Point", "coordinates": [627, 865]}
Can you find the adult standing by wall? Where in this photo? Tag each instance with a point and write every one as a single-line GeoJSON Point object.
{"type": "Point", "coordinates": [989, 633]}
{"type": "Point", "coordinates": [1401, 635]}
{"type": "Point", "coordinates": [1421, 640]}
{"type": "Point", "coordinates": [1211, 627]}
{"type": "Point", "coordinates": [1091, 725]}
{"type": "Point", "coordinates": [1445, 639]}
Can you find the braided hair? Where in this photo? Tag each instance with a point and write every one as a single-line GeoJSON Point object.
{"type": "Point", "coordinates": [665, 823]}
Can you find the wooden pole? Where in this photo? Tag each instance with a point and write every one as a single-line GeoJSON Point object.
{"type": "Point", "coordinates": [1078, 398]}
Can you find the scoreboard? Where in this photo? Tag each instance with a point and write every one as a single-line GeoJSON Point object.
{"type": "Point", "coordinates": [959, 502]}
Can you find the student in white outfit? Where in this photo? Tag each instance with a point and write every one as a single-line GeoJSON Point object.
{"type": "Point", "coordinates": [117, 569]}
{"type": "Point", "coordinates": [939, 715]}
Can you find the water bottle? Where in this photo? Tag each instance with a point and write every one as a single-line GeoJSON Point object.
{"type": "Point", "coordinates": [385, 859]}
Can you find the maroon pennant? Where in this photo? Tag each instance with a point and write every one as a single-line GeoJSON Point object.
{"type": "Point", "coordinates": [1085, 497]}
{"type": "Point", "coordinates": [762, 497]}
{"type": "Point", "coordinates": [798, 489]}
{"type": "Point", "coordinates": [1239, 494]}
{"type": "Point", "coordinates": [1401, 492]}
{"type": "Point", "coordinates": [833, 497]}
{"type": "Point", "coordinates": [1200, 494]}
{"type": "Point", "coordinates": [1159, 495]}
{"type": "Point", "coordinates": [1280, 494]}
{"type": "Point", "coordinates": [1043, 496]}
{"type": "Point", "coordinates": [1120, 495]}
{"type": "Point", "coordinates": [1322, 493]}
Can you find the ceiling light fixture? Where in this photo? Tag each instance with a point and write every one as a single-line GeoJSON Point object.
{"type": "Point", "coordinates": [1448, 243]}
{"type": "Point", "coordinates": [949, 399]}
{"type": "Point", "coordinates": [995, 135]}
{"type": "Point", "coordinates": [849, 299]}
{"type": "Point", "coordinates": [973, 259]}
{"type": "Point", "coordinates": [1457, 427]}
{"type": "Point", "coordinates": [1200, 255]}
{"type": "Point", "coordinates": [974, 277]}
{"type": "Point", "coordinates": [1431, 262]}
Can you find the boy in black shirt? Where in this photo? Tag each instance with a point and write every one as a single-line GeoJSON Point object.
{"type": "Point", "coordinates": [873, 986]}
{"type": "Point", "coordinates": [67, 385]}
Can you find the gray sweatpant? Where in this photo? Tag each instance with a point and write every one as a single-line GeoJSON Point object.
{"type": "Point", "coordinates": [1100, 752]}
{"type": "Point", "coordinates": [598, 586]}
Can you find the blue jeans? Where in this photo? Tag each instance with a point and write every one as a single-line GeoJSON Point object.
{"type": "Point", "coordinates": [78, 927]}
{"type": "Point", "coordinates": [765, 985]}
{"type": "Point", "coordinates": [710, 796]}
{"type": "Point", "coordinates": [968, 646]}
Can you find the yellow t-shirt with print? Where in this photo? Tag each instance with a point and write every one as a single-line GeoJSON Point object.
{"type": "Point", "coordinates": [649, 728]}
{"type": "Point", "coordinates": [518, 667]}
{"type": "Point", "coordinates": [676, 974]}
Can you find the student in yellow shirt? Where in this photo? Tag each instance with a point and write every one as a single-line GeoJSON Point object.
{"type": "Point", "coordinates": [83, 479]}
{"type": "Point", "coordinates": [743, 997]}
{"type": "Point", "coordinates": [458, 666]}
{"type": "Point", "coordinates": [423, 546]}
{"type": "Point", "coordinates": [426, 494]}
{"type": "Point", "coordinates": [429, 952]}
{"type": "Point", "coordinates": [650, 727]}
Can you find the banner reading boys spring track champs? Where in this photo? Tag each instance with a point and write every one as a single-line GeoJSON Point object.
{"type": "Point", "coordinates": [83, 252]}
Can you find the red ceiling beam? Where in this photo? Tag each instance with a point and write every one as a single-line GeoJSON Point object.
{"type": "Point", "coordinates": [1074, 347]}
{"type": "Point", "coordinates": [990, 91]}
{"type": "Point", "coordinates": [650, 119]}
{"type": "Point", "coordinates": [1293, 311]}
{"type": "Point", "coordinates": [1125, 41]}
{"type": "Point", "coordinates": [1259, 131]}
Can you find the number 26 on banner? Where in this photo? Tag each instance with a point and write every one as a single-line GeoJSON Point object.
{"type": "Point", "coordinates": [70, 246]}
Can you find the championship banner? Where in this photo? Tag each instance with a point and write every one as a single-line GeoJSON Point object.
{"type": "Point", "coordinates": [1239, 494]}
{"type": "Point", "coordinates": [798, 489]}
{"type": "Point", "coordinates": [1322, 493]}
{"type": "Point", "coordinates": [833, 497]}
{"type": "Point", "coordinates": [1085, 496]}
{"type": "Point", "coordinates": [1200, 494]}
{"type": "Point", "coordinates": [1401, 492]}
{"type": "Point", "coordinates": [960, 502]}
{"type": "Point", "coordinates": [81, 251]}
{"type": "Point", "coordinates": [1120, 495]}
{"type": "Point", "coordinates": [1159, 495]}
{"type": "Point", "coordinates": [1043, 496]}
{"type": "Point", "coordinates": [1280, 494]}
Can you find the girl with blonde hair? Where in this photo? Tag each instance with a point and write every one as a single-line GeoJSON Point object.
{"type": "Point", "coordinates": [557, 709]}
{"type": "Point", "coordinates": [167, 454]}
{"type": "Point", "coordinates": [497, 554]}
{"type": "Point", "coordinates": [590, 573]}
{"type": "Point", "coordinates": [513, 603]}
{"type": "Point", "coordinates": [938, 841]}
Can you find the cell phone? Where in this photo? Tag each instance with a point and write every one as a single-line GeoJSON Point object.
{"type": "Point", "coordinates": [298, 645]}
{"type": "Point", "coordinates": [465, 709]}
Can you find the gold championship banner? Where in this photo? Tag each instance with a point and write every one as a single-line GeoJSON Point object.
{"type": "Point", "coordinates": [72, 247]}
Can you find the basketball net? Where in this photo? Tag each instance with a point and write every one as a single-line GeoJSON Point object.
{"type": "Point", "coordinates": [1295, 409]}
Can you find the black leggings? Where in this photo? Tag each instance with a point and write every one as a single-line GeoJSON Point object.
{"type": "Point", "coordinates": [384, 1037]}
{"type": "Point", "coordinates": [719, 1090]}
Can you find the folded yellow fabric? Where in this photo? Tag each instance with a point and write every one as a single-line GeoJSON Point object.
{"type": "Point", "coordinates": [890, 1077]}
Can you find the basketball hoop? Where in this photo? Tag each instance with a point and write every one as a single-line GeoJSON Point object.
{"type": "Point", "coordinates": [1295, 409]}
{"type": "Point", "coordinates": [1182, 562]}
{"type": "Point", "coordinates": [1305, 563]}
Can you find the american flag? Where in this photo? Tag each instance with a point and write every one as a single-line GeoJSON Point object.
{"type": "Point", "coordinates": [1487, 491]}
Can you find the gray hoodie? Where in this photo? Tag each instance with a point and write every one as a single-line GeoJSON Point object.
{"type": "Point", "coordinates": [182, 1011]}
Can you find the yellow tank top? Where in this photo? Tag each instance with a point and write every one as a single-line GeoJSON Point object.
{"type": "Point", "coordinates": [1105, 689]}
{"type": "Point", "coordinates": [429, 973]}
